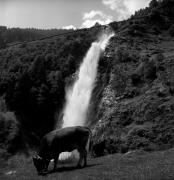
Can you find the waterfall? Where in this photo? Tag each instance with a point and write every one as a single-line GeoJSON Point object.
{"type": "Point", "coordinates": [78, 97]}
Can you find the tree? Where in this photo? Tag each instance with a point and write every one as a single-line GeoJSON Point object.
{"type": "Point", "coordinates": [171, 30]}
{"type": "Point", "coordinates": [56, 87]}
{"type": "Point", "coordinates": [38, 70]}
{"type": "Point", "coordinates": [2, 42]}
{"type": "Point", "coordinates": [153, 4]}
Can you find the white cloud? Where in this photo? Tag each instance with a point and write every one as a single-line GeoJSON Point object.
{"type": "Point", "coordinates": [93, 14]}
{"type": "Point", "coordinates": [134, 5]}
{"type": "Point", "coordinates": [92, 17]}
{"type": "Point", "coordinates": [114, 4]}
{"type": "Point", "coordinates": [69, 27]}
{"type": "Point", "coordinates": [124, 8]}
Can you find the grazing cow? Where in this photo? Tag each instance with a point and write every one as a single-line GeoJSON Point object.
{"type": "Point", "coordinates": [62, 140]}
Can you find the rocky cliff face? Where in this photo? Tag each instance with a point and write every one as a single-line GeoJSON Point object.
{"type": "Point", "coordinates": [136, 109]}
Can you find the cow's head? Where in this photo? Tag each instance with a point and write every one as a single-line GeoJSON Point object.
{"type": "Point", "coordinates": [39, 163]}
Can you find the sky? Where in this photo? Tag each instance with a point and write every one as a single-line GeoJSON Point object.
{"type": "Point", "coordinates": [48, 14]}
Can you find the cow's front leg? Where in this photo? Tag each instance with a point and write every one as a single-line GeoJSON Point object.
{"type": "Point", "coordinates": [46, 166]}
{"type": "Point", "coordinates": [85, 157]}
{"type": "Point", "coordinates": [55, 163]}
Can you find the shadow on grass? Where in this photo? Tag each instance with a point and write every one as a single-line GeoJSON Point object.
{"type": "Point", "coordinates": [68, 168]}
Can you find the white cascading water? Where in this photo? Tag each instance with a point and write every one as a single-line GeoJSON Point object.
{"type": "Point", "coordinates": [78, 97]}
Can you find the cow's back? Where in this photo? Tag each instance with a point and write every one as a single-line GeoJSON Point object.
{"type": "Point", "coordinates": [65, 139]}
{"type": "Point", "coordinates": [70, 138]}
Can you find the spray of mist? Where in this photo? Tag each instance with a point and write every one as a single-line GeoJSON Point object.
{"type": "Point", "coordinates": [78, 97]}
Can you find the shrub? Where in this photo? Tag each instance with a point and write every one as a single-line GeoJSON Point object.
{"type": "Point", "coordinates": [171, 31]}
{"type": "Point", "coordinates": [3, 106]}
{"type": "Point", "coordinates": [9, 132]}
{"type": "Point", "coordinates": [137, 29]}
{"type": "Point", "coordinates": [156, 30]}
{"type": "Point", "coordinates": [136, 79]}
{"type": "Point", "coordinates": [124, 56]}
{"type": "Point", "coordinates": [153, 4]}
{"type": "Point", "coordinates": [159, 57]}
{"type": "Point", "coordinates": [141, 138]}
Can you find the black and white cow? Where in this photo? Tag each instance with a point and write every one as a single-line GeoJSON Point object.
{"type": "Point", "coordinates": [62, 140]}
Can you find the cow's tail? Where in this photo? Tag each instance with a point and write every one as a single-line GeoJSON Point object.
{"type": "Point", "coordinates": [89, 142]}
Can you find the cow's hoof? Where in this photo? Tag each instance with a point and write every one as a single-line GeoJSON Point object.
{"type": "Point", "coordinates": [43, 173]}
{"type": "Point", "coordinates": [79, 166]}
{"type": "Point", "coordinates": [54, 170]}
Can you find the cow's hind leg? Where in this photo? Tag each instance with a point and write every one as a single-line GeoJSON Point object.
{"type": "Point", "coordinates": [80, 159]}
{"type": "Point", "coordinates": [46, 166]}
{"type": "Point", "coordinates": [83, 155]}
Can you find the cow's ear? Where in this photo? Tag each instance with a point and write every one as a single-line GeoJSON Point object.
{"type": "Point", "coordinates": [34, 158]}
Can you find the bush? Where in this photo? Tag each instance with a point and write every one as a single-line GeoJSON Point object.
{"type": "Point", "coordinates": [136, 79]}
{"type": "Point", "coordinates": [124, 56]}
{"type": "Point", "coordinates": [3, 106]}
{"type": "Point", "coordinates": [141, 138]}
{"type": "Point", "coordinates": [153, 4]}
{"type": "Point", "coordinates": [145, 71]}
{"type": "Point", "coordinates": [156, 30]}
{"type": "Point", "coordinates": [137, 29]}
{"type": "Point", "coordinates": [10, 135]}
{"type": "Point", "coordinates": [171, 31]}
{"type": "Point", "coordinates": [159, 57]}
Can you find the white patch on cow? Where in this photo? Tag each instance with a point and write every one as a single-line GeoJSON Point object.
{"type": "Point", "coordinates": [66, 157]}
{"type": "Point", "coordinates": [10, 172]}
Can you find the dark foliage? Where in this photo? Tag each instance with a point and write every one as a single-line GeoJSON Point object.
{"type": "Point", "coordinates": [160, 13]}
{"type": "Point", "coordinates": [14, 35]}
{"type": "Point", "coordinates": [11, 139]}
{"type": "Point", "coordinates": [34, 76]}
{"type": "Point", "coordinates": [171, 30]}
{"type": "Point", "coordinates": [33, 79]}
{"type": "Point", "coordinates": [136, 108]}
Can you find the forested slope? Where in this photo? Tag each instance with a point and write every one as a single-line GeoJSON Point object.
{"type": "Point", "coordinates": [9, 36]}
{"type": "Point", "coordinates": [136, 108]}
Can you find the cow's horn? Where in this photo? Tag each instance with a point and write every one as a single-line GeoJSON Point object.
{"type": "Point", "coordinates": [38, 157]}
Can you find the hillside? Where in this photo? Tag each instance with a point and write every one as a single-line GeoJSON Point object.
{"type": "Point", "coordinates": [33, 79]}
{"type": "Point", "coordinates": [136, 106]}
{"type": "Point", "coordinates": [9, 36]}
{"type": "Point", "coordinates": [132, 103]}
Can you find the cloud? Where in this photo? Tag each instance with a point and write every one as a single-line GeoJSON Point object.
{"type": "Point", "coordinates": [93, 14]}
{"type": "Point", "coordinates": [92, 17]}
{"type": "Point", "coordinates": [69, 27]}
{"type": "Point", "coordinates": [124, 8]}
